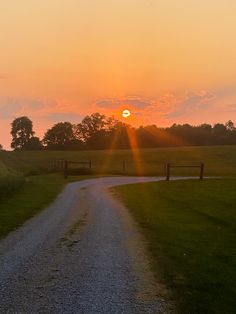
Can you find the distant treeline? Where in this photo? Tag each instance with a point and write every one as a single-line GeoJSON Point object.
{"type": "Point", "coordinates": [100, 132]}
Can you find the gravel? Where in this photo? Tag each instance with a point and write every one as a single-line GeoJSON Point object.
{"type": "Point", "coordinates": [83, 254]}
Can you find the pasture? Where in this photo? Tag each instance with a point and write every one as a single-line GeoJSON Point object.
{"type": "Point", "coordinates": [190, 227]}
{"type": "Point", "coordinates": [22, 171]}
{"type": "Point", "coordinates": [219, 160]}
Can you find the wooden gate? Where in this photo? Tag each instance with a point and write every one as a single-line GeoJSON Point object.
{"type": "Point", "coordinates": [68, 170]}
{"type": "Point", "coordinates": [168, 167]}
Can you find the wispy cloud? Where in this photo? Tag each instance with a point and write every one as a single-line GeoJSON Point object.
{"type": "Point", "coordinates": [189, 103]}
{"type": "Point", "coordinates": [135, 101]}
{"type": "Point", "coordinates": [37, 108]}
{"type": "Point", "coordinates": [65, 116]}
{"type": "Point", "coordinates": [231, 107]}
{"type": "Point", "coordinates": [166, 106]}
{"type": "Point", "coordinates": [165, 109]}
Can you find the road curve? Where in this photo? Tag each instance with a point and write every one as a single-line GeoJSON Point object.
{"type": "Point", "coordinates": [83, 254]}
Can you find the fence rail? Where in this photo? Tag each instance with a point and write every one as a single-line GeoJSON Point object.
{"type": "Point", "coordinates": [67, 163]}
{"type": "Point", "coordinates": [201, 166]}
{"type": "Point", "coordinates": [56, 164]}
{"type": "Point", "coordinates": [68, 167]}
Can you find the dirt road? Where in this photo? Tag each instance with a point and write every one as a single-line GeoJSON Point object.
{"type": "Point", "coordinates": [83, 254]}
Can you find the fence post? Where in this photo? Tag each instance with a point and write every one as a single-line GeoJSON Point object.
{"type": "Point", "coordinates": [66, 169]}
{"type": "Point", "coordinates": [201, 171]}
{"type": "Point", "coordinates": [168, 172]}
{"type": "Point", "coordinates": [124, 166]}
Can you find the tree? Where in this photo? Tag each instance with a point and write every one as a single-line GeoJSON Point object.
{"type": "Point", "coordinates": [1, 147]}
{"type": "Point", "coordinates": [34, 143]}
{"type": "Point", "coordinates": [91, 125]}
{"type": "Point", "coordinates": [219, 129]}
{"type": "Point", "coordinates": [61, 136]}
{"type": "Point", "coordinates": [22, 132]}
{"type": "Point", "coordinates": [118, 135]}
{"type": "Point", "coordinates": [230, 125]}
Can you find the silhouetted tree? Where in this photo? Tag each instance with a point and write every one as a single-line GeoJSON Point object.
{"type": "Point", "coordinates": [219, 129]}
{"type": "Point", "coordinates": [34, 143]}
{"type": "Point", "coordinates": [230, 125]}
{"type": "Point", "coordinates": [61, 137]}
{"type": "Point", "coordinates": [91, 125]}
{"type": "Point", "coordinates": [100, 132]}
{"type": "Point", "coordinates": [22, 132]}
{"type": "Point", "coordinates": [118, 136]}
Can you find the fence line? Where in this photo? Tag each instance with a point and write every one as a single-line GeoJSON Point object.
{"type": "Point", "coordinates": [168, 167]}
{"type": "Point", "coordinates": [67, 169]}
{"type": "Point", "coordinates": [125, 167]}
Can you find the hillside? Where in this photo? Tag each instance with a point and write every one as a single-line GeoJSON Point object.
{"type": "Point", "coordinates": [219, 160]}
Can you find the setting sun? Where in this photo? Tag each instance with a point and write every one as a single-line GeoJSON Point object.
{"type": "Point", "coordinates": [126, 113]}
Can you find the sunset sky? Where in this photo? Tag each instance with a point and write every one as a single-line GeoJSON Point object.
{"type": "Point", "coordinates": [165, 60]}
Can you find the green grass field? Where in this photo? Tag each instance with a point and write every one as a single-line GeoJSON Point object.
{"type": "Point", "coordinates": [219, 160]}
{"type": "Point", "coordinates": [25, 201]}
{"type": "Point", "coordinates": [21, 199]}
{"type": "Point", "coordinates": [191, 230]}
{"type": "Point", "coordinates": [190, 225]}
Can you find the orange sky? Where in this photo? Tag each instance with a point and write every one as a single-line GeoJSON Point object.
{"type": "Point", "coordinates": [167, 60]}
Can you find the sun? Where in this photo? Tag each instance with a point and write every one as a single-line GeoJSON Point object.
{"type": "Point", "coordinates": [126, 113]}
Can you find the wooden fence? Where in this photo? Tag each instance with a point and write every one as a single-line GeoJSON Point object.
{"type": "Point", "coordinates": [56, 164]}
{"type": "Point", "coordinates": [67, 169]}
{"type": "Point", "coordinates": [168, 167]}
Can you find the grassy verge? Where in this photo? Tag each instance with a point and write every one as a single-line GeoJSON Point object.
{"type": "Point", "coordinates": [23, 198]}
{"type": "Point", "coordinates": [190, 227]}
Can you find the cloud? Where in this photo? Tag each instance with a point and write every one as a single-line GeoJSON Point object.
{"type": "Point", "coordinates": [163, 109]}
{"type": "Point", "coordinates": [8, 108]}
{"type": "Point", "coordinates": [13, 107]}
{"type": "Point", "coordinates": [108, 103]}
{"type": "Point", "coordinates": [138, 103]}
{"type": "Point", "coordinates": [35, 108]}
{"type": "Point", "coordinates": [65, 116]}
{"type": "Point", "coordinates": [135, 102]}
{"type": "Point", "coordinates": [189, 103]}
{"type": "Point", "coordinates": [43, 113]}
{"type": "Point", "coordinates": [231, 107]}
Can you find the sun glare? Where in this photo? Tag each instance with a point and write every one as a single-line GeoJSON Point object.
{"type": "Point", "coordinates": [126, 113]}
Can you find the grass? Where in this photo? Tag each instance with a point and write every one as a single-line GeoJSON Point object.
{"type": "Point", "coordinates": [4, 170]}
{"type": "Point", "coordinates": [26, 197]}
{"type": "Point", "coordinates": [24, 202]}
{"type": "Point", "coordinates": [219, 160]}
{"type": "Point", "coordinates": [10, 184]}
{"type": "Point", "coordinates": [190, 227]}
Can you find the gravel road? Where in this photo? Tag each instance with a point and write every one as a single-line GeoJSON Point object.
{"type": "Point", "coordinates": [83, 254]}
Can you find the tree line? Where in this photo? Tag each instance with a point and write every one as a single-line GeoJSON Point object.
{"type": "Point", "coordinates": [97, 131]}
